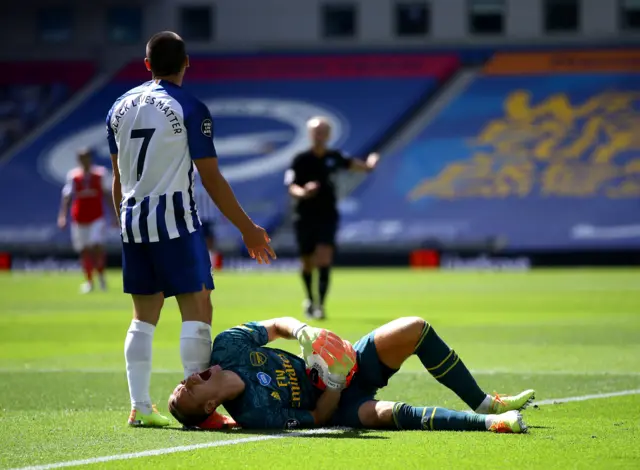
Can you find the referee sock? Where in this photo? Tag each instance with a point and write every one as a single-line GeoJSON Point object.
{"type": "Point", "coordinates": [447, 368]}
{"type": "Point", "coordinates": [323, 282]}
{"type": "Point", "coordinates": [195, 347]}
{"type": "Point", "coordinates": [137, 354]}
{"type": "Point", "coordinates": [307, 278]}
{"type": "Point", "coordinates": [407, 417]}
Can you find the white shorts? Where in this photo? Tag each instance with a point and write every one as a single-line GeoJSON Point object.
{"type": "Point", "coordinates": [86, 235]}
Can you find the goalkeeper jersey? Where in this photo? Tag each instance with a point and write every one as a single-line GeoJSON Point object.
{"type": "Point", "coordinates": [278, 393]}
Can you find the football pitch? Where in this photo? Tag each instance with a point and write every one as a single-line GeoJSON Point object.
{"type": "Point", "coordinates": [573, 335]}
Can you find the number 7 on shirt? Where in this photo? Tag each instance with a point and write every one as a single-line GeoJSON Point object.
{"type": "Point", "coordinates": [146, 135]}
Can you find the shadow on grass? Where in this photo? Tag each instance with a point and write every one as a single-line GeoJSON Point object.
{"type": "Point", "coordinates": [319, 433]}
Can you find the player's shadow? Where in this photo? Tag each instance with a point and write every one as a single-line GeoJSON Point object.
{"type": "Point", "coordinates": [343, 434]}
{"type": "Point", "coordinates": [323, 433]}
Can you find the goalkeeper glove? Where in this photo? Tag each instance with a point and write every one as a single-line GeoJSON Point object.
{"type": "Point", "coordinates": [324, 351]}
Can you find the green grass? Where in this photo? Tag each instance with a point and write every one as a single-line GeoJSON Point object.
{"type": "Point", "coordinates": [63, 392]}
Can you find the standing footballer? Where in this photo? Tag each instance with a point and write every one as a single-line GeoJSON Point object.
{"type": "Point", "coordinates": [310, 182]}
{"type": "Point", "coordinates": [156, 132]}
{"type": "Point", "coordinates": [85, 191]}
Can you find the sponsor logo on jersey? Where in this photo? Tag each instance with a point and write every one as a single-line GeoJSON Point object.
{"type": "Point", "coordinates": [279, 132]}
{"type": "Point", "coordinates": [207, 127]}
{"type": "Point", "coordinates": [257, 358]}
{"type": "Point", "coordinates": [263, 378]}
{"type": "Point", "coordinates": [275, 395]}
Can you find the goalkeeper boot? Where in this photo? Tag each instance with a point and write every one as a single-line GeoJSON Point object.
{"type": "Point", "coordinates": [509, 422]}
{"type": "Point", "coordinates": [151, 420]}
{"type": "Point", "coordinates": [502, 404]}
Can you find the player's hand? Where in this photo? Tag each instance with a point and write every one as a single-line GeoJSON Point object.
{"type": "Point", "coordinates": [372, 161]}
{"type": "Point", "coordinates": [319, 341]}
{"type": "Point", "coordinates": [311, 189]}
{"type": "Point", "coordinates": [328, 353]}
{"type": "Point", "coordinates": [257, 242]}
{"type": "Point", "coordinates": [62, 221]}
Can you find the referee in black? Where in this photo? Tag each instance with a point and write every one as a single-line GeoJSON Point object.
{"type": "Point", "coordinates": [311, 183]}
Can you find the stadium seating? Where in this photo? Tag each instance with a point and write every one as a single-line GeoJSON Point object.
{"type": "Point", "coordinates": [260, 106]}
{"type": "Point", "coordinates": [31, 92]}
{"type": "Point", "coordinates": [539, 152]}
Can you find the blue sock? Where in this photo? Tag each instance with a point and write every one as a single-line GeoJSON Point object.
{"type": "Point", "coordinates": [447, 368]}
{"type": "Point", "coordinates": [408, 417]}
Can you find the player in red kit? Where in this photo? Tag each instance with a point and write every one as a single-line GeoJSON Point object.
{"type": "Point", "coordinates": [87, 188]}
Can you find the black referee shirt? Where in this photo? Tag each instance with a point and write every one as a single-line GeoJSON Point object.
{"type": "Point", "coordinates": [307, 167]}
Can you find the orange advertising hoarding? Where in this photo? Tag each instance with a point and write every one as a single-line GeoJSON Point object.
{"type": "Point", "coordinates": [564, 62]}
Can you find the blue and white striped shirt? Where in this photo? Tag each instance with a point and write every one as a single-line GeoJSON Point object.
{"type": "Point", "coordinates": [157, 130]}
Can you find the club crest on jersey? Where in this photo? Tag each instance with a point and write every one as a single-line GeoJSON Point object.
{"type": "Point", "coordinates": [257, 358]}
{"type": "Point", "coordinates": [207, 127]}
{"type": "Point", "coordinates": [272, 131]}
{"type": "Point", "coordinates": [263, 378]}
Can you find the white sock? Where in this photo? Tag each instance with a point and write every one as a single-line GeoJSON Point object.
{"type": "Point", "coordinates": [195, 346]}
{"type": "Point", "coordinates": [137, 353]}
{"type": "Point", "coordinates": [485, 406]}
{"type": "Point", "coordinates": [489, 420]}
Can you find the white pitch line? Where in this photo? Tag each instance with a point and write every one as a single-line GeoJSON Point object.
{"type": "Point", "coordinates": [173, 450]}
{"type": "Point", "coordinates": [595, 396]}
{"type": "Point", "coordinates": [246, 440]}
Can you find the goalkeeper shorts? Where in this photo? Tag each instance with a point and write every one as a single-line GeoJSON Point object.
{"type": "Point", "coordinates": [372, 375]}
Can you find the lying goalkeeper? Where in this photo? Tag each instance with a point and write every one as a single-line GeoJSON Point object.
{"type": "Point", "coordinates": [266, 388]}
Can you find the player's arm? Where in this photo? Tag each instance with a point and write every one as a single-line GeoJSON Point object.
{"type": "Point", "coordinates": [200, 140]}
{"type": "Point", "coordinates": [326, 406]}
{"type": "Point", "coordinates": [368, 165]}
{"type": "Point", "coordinates": [297, 190]}
{"type": "Point", "coordinates": [65, 202]}
{"type": "Point", "coordinates": [116, 188]}
{"type": "Point", "coordinates": [281, 328]}
{"type": "Point", "coordinates": [220, 191]}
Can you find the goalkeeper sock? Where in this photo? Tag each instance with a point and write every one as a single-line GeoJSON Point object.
{"type": "Point", "coordinates": [323, 282]}
{"type": "Point", "coordinates": [307, 278]}
{"type": "Point", "coordinates": [408, 417]}
{"type": "Point", "coordinates": [137, 354]}
{"type": "Point", "coordinates": [446, 367]}
{"type": "Point", "coordinates": [195, 347]}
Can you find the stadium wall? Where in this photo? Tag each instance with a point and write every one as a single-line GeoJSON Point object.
{"type": "Point", "coordinates": [275, 24]}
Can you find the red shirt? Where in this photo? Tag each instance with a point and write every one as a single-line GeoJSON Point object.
{"type": "Point", "coordinates": [87, 190]}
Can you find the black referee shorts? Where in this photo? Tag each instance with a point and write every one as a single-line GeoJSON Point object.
{"type": "Point", "coordinates": [312, 232]}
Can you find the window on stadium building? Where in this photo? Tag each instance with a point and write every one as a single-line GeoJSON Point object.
{"type": "Point", "coordinates": [196, 23]}
{"type": "Point", "coordinates": [339, 20]}
{"type": "Point", "coordinates": [124, 24]}
{"type": "Point", "coordinates": [486, 16]}
{"type": "Point", "coordinates": [561, 16]}
{"type": "Point", "coordinates": [55, 24]}
{"type": "Point", "coordinates": [630, 15]}
{"type": "Point", "coordinates": [412, 19]}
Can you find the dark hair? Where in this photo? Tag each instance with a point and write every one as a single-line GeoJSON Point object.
{"type": "Point", "coordinates": [192, 419]}
{"type": "Point", "coordinates": [166, 53]}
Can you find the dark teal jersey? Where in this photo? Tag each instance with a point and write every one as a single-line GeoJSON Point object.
{"type": "Point", "coordinates": [278, 393]}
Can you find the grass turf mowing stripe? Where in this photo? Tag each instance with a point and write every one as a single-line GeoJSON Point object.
{"type": "Point", "coordinates": [173, 450]}
{"type": "Point", "coordinates": [246, 440]}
